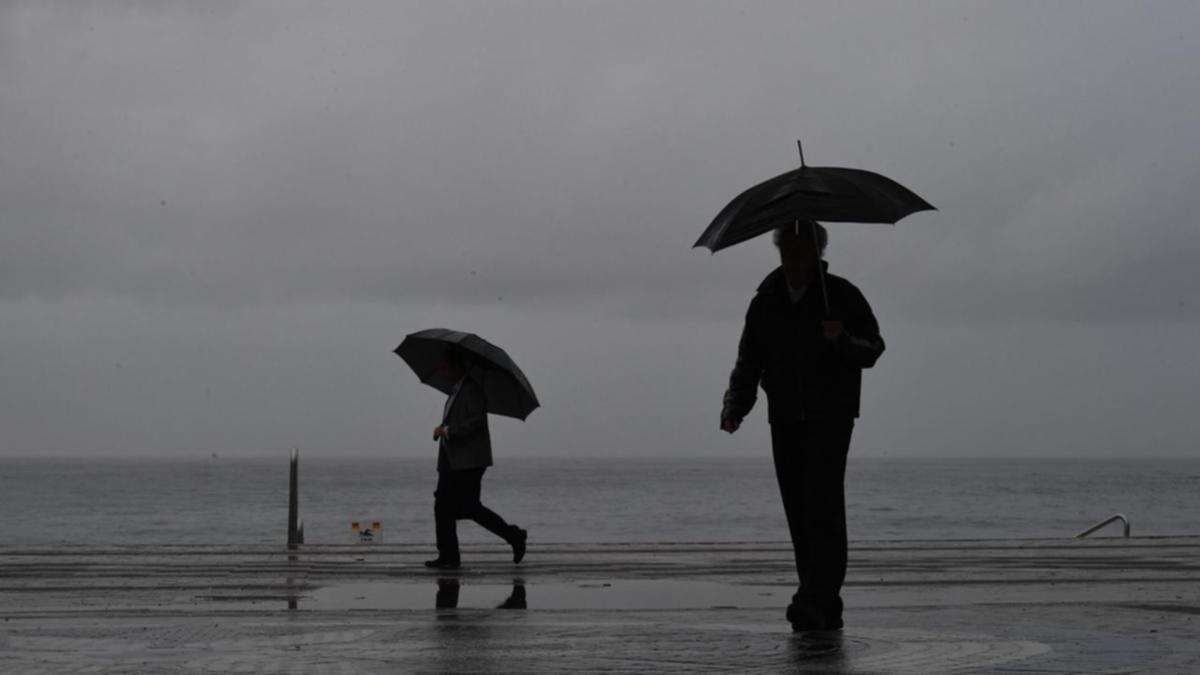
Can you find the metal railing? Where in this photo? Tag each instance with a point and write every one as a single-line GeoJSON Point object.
{"type": "Point", "coordinates": [1097, 526]}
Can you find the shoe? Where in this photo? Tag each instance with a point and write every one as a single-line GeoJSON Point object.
{"type": "Point", "coordinates": [832, 608]}
{"type": "Point", "coordinates": [805, 616]}
{"type": "Point", "coordinates": [518, 544]}
{"type": "Point", "coordinates": [440, 563]}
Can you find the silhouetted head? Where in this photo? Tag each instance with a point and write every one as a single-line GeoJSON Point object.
{"type": "Point", "coordinates": [798, 252]}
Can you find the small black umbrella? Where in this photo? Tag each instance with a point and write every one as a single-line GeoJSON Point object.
{"type": "Point", "coordinates": [507, 390]}
{"type": "Point", "coordinates": [828, 193]}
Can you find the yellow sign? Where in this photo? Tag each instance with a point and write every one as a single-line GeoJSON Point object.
{"type": "Point", "coordinates": [371, 535]}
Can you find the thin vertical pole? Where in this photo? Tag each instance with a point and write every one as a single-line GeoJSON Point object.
{"type": "Point", "coordinates": [816, 245]}
{"type": "Point", "coordinates": [294, 536]}
{"type": "Point", "coordinates": [820, 267]}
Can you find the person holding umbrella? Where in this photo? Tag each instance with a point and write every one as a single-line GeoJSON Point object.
{"type": "Point", "coordinates": [808, 336]}
{"type": "Point", "coordinates": [478, 378]}
{"type": "Point", "coordinates": [810, 364]}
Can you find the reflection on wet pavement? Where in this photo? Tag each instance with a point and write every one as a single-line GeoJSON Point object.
{"type": "Point", "coordinates": [614, 595]}
{"type": "Point", "coordinates": [818, 645]}
{"type": "Point", "coordinates": [448, 590]}
{"type": "Point", "coordinates": [1044, 606]}
{"type": "Point", "coordinates": [447, 594]}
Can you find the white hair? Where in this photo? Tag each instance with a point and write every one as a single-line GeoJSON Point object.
{"type": "Point", "coordinates": [803, 229]}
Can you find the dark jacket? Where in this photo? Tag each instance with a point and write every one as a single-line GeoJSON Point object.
{"type": "Point", "coordinates": [469, 445]}
{"type": "Point", "coordinates": [782, 348]}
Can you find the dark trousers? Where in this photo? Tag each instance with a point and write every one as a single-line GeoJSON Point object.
{"type": "Point", "coordinates": [457, 498]}
{"type": "Point", "coordinates": [810, 464]}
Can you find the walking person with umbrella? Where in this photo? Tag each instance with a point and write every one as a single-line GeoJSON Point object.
{"type": "Point", "coordinates": [808, 335]}
{"type": "Point", "coordinates": [478, 377]}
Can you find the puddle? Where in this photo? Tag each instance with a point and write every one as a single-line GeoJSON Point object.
{"type": "Point", "coordinates": [620, 594]}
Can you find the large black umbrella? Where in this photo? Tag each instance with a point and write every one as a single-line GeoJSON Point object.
{"type": "Point", "coordinates": [828, 193]}
{"type": "Point", "coordinates": [811, 193]}
{"type": "Point", "coordinates": [508, 392]}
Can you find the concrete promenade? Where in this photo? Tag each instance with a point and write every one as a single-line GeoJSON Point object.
{"type": "Point", "coordinates": [1027, 606]}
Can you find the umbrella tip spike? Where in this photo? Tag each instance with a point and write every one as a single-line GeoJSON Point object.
{"type": "Point", "coordinates": [800, 149]}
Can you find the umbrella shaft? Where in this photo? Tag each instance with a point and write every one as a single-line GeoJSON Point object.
{"type": "Point", "coordinates": [820, 268]}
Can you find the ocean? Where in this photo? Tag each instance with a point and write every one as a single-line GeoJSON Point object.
{"type": "Point", "coordinates": [244, 501]}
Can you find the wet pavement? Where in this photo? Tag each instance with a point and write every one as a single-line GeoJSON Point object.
{"type": "Point", "coordinates": [1029, 606]}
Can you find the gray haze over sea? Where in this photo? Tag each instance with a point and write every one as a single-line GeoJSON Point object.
{"type": "Point", "coordinates": [217, 219]}
{"type": "Point", "coordinates": [244, 501]}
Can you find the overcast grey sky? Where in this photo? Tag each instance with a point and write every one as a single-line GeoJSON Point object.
{"type": "Point", "coordinates": [217, 219]}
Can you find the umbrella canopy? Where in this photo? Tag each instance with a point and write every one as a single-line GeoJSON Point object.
{"type": "Point", "coordinates": [507, 390]}
{"type": "Point", "coordinates": [827, 193]}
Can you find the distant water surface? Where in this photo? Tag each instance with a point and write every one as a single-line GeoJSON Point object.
{"type": "Point", "coordinates": [231, 501]}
